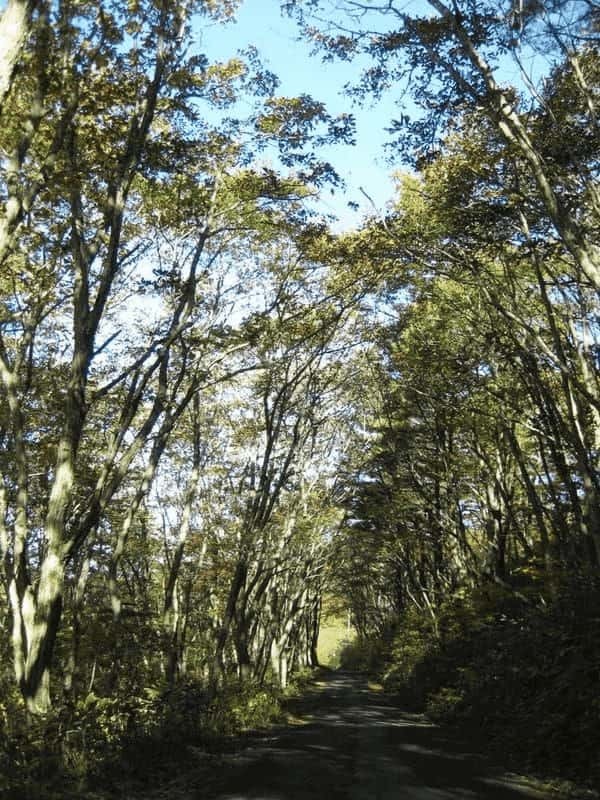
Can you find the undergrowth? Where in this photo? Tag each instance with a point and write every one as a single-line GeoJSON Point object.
{"type": "Point", "coordinates": [101, 742]}
{"type": "Point", "coordinates": [519, 675]}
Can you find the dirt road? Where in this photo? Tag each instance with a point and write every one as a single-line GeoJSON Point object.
{"type": "Point", "coordinates": [350, 743]}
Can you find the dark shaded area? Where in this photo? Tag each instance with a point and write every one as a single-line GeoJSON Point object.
{"type": "Point", "coordinates": [519, 679]}
{"type": "Point", "coordinates": [358, 744]}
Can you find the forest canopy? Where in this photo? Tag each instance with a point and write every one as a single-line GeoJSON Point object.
{"type": "Point", "coordinates": [217, 409]}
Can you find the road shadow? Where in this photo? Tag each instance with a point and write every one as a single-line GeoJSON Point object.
{"type": "Point", "coordinates": [351, 743]}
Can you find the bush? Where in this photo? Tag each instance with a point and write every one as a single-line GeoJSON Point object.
{"type": "Point", "coordinates": [104, 741]}
{"type": "Point", "coordinates": [57, 755]}
{"type": "Point", "coordinates": [242, 706]}
{"type": "Point", "coordinates": [500, 664]}
{"type": "Point", "coordinates": [362, 655]}
{"type": "Point", "coordinates": [442, 704]}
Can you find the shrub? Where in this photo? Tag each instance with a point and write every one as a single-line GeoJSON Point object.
{"type": "Point", "coordinates": [242, 706]}
{"type": "Point", "coordinates": [362, 655]}
{"type": "Point", "coordinates": [442, 704]}
{"type": "Point", "coordinates": [501, 664]}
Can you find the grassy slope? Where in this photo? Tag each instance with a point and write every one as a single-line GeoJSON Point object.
{"type": "Point", "coordinates": [333, 636]}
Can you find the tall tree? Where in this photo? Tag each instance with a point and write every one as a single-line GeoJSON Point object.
{"type": "Point", "coordinates": [118, 200]}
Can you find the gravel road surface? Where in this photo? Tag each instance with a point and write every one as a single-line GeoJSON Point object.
{"type": "Point", "coordinates": [347, 742]}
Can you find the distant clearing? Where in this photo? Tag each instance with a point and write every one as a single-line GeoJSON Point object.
{"type": "Point", "coordinates": [332, 637]}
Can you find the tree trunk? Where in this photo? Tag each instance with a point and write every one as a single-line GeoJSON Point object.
{"type": "Point", "coordinates": [35, 621]}
{"type": "Point", "coordinates": [237, 583]}
{"type": "Point", "coordinates": [15, 24]}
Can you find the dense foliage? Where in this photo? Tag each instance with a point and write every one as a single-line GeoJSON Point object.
{"type": "Point", "coordinates": [215, 410]}
{"type": "Point", "coordinates": [498, 672]}
{"type": "Point", "coordinates": [472, 523]}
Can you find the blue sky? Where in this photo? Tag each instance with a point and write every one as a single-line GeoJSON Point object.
{"type": "Point", "coordinates": [260, 23]}
{"type": "Point", "coordinates": [364, 166]}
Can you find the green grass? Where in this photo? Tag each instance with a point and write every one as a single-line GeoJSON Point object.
{"type": "Point", "coordinates": [332, 638]}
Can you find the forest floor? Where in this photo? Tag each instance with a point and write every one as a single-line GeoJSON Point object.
{"type": "Point", "coordinates": [344, 740]}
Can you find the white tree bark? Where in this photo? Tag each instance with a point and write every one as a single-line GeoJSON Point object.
{"type": "Point", "coordinates": [15, 24]}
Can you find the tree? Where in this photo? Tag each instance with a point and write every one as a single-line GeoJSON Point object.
{"type": "Point", "coordinates": [282, 444]}
{"type": "Point", "coordinates": [15, 26]}
{"type": "Point", "coordinates": [453, 58]}
{"type": "Point", "coordinates": [115, 194]}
